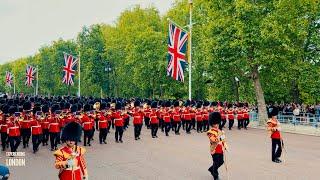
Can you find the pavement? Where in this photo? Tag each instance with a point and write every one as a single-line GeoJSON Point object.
{"type": "Point", "coordinates": [184, 157]}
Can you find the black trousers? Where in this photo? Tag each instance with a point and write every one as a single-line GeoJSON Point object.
{"type": "Point", "coordinates": [205, 125]}
{"type": "Point", "coordinates": [103, 132]}
{"type": "Point", "coordinates": [217, 161]}
{"type": "Point", "coordinates": [14, 143]}
{"type": "Point", "coordinates": [231, 124]}
{"type": "Point", "coordinates": [167, 126]}
{"type": "Point", "coordinates": [276, 149]}
{"type": "Point", "coordinates": [154, 129]}
{"type": "Point", "coordinates": [137, 130]}
{"type": "Point", "coordinates": [36, 141]}
{"type": "Point", "coordinates": [119, 132]}
{"type": "Point", "coordinates": [126, 123]}
{"type": "Point", "coordinates": [240, 124]}
{"type": "Point", "coordinates": [183, 122]}
{"type": "Point", "coordinates": [26, 134]}
{"type": "Point", "coordinates": [4, 140]}
{"type": "Point", "coordinates": [87, 135]}
{"type": "Point", "coordinates": [188, 126]}
{"type": "Point", "coordinates": [246, 123]}
{"type": "Point", "coordinates": [147, 122]}
{"type": "Point", "coordinates": [176, 126]}
{"type": "Point", "coordinates": [54, 139]}
{"type": "Point", "coordinates": [161, 124]}
{"type": "Point", "coordinates": [222, 124]}
{"type": "Point", "coordinates": [193, 123]}
{"type": "Point", "coordinates": [199, 126]}
{"type": "Point", "coordinates": [45, 136]}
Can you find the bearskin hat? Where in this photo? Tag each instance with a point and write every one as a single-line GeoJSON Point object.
{"type": "Point", "coordinates": [62, 104]}
{"type": "Point", "coordinates": [16, 102]}
{"type": "Point", "coordinates": [74, 108]}
{"type": "Point", "coordinates": [45, 108]}
{"type": "Point", "coordinates": [206, 103]}
{"type": "Point", "coordinates": [10, 102]}
{"type": "Point", "coordinates": [71, 132]}
{"type": "Point", "coordinates": [214, 103]}
{"type": "Point", "coordinates": [32, 99]}
{"type": "Point", "coordinates": [168, 103]}
{"type": "Point", "coordinates": [199, 104]}
{"type": "Point", "coordinates": [187, 103]}
{"type": "Point", "coordinates": [273, 111]}
{"type": "Point", "coordinates": [103, 106]}
{"type": "Point", "coordinates": [154, 104]}
{"type": "Point", "coordinates": [67, 105]}
{"type": "Point", "coordinates": [5, 109]}
{"type": "Point", "coordinates": [27, 106]}
{"type": "Point", "coordinates": [136, 103]}
{"type": "Point", "coordinates": [214, 118]}
{"type": "Point", "coordinates": [176, 103]}
{"type": "Point", "coordinates": [80, 106]}
{"type": "Point", "coordinates": [118, 105]}
{"type": "Point", "coordinates": [86, 108]}
{"type": "Point", "coordinates": [13, 109]}
{"type": "Point", "coordinates": [55, 107]}
{"type": "Point", "coordinates": [37, 107]}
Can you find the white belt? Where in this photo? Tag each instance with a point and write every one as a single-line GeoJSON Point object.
{"type": "Point", "coordinates": [70, 168]}
{"type": "Point", "coordinates": [87, 123]}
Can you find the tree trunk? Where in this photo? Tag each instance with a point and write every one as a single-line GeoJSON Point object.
{"type": "Point", "coordinates": [295, 91]}
{"type": "Point", "coordinates": [262, 110]}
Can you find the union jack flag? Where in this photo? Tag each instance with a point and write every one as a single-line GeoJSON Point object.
{"type": "Point", "coordinates": [30, 71]}
{"type": "Point", "coordinates": [69, 69]}
{"type": "Point", "coordinates": [9, 77]}
{"type": "Point", "coordinates": [177, 48]}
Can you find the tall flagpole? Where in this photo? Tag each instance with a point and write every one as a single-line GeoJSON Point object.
{"type": "Point", "coordinates": [14, 85]}
{"type": "Point", "coordinates": [37, 86]}
{"type": "Point", "coordinates": [79, 93]}
{"type": "Point", "coordinates": [190, 50]}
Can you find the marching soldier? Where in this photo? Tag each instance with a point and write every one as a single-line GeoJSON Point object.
{"type": "Point", "coordinates": [70, 158]}
{"type": "Point", "coordinates": [154, 121]}
{"type": "Point", "coordinates": [54, 128]}
{"type": "Point", "coordinates": [199, 117]}
{"type": "Point", "coordinates": [217, 144]}
{"type": "Point", "coordinates": [167, 118]}
{"type": "Point", "coordinates": [86, 125]}
{"type": "Point", "coordinates": [205, 116]}
{"type": "Point", "coordinates": [176, 116]}
{"type": "Point", "coordinates": [246, 118]}
{"type": "Point", "coordinates": [223, 118]}
{"type": "Point", "coordinates": [103, 128]}
{"type": "Point", "coordinates": [118, 122]}
{"type": "Point", "coordinates": [36, 132]}
{"type": "Point", "coordinates": [25, 125]}
{"type": "Point", "coordinates": [3, 129]}
{"type": "Point", "coordinates": [45, 125]}
{"type": "Point", "coordinates": [147, 112]}
{"type": "Point", "coordinates": [13, 131]}
{"type": "Point", "coordinates": [240, 117]}
{"type": "Point", "coordinates": [273, 126]}
{"type": "Point", "coordinates": [187, 117]}
{"type": "Point", "coordinates": [137, 120]}
{"type": "Point", "coordinates": [230, 114]}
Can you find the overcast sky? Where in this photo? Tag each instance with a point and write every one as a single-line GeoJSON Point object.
{"type": "Point", "coordinates": [26, 25]}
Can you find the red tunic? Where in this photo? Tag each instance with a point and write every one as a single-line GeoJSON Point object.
{"type": "Point", "coordinates": [54, 125]}
{"type": "Point", "coordinates": [137, 117]}
{"type": "Point", "coordinates": [153, 117]}
{"type": "Point", "coordinates": [13, 129]}
{"type": "Point", "coordinates": [118, 119]}
{"type": "Point", "coordinates": [199, 115]}
{"type": "Point", "coordinates": [35, 127]}
{"type": "Point", "coordinates": [102, 123]}
{"type": "Point", "coordinates": [86, 122]}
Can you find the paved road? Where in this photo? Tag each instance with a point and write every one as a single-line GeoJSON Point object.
{"type": "Point", "coordinates": [185, 157]}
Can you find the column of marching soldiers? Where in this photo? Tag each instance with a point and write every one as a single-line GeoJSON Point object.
{"type": "Point", "coordinates": [42, 119]}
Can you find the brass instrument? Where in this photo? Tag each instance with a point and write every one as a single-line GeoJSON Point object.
{"type": "Point", "coordinates": [96, 106]}
{"type": "Point", "coordinates": [180, 103]}
{"type": "Point", "coordinates": [145, 106]}
{"type": "Point", "coordinates": [132, 104]}
{"type": "Point", "coordinates": [113, 105]}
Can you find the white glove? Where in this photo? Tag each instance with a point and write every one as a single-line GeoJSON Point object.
{"type": "Point", "coordinates": [222, 137]}
{"type": "Point", "coordinates": [71, 163]}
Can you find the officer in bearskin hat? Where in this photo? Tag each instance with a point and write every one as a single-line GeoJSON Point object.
{"type": "Point", "coordinates": [13, 130]}
{"type": "Point", "coordinates": [118, 122]}
{"type": "Point", "coordinates": [217, 143]}
{"type": "Point", "coordinates": [87, 125]}
{"type": "Point", "coordinates": [137, 120]}
{"type": "Point", "coordinates": [25, 124]}
{"type": "Point", "coordinates": [154, 121]}
{"type": "Point", "coordinates": [273, 127]}
{"type": "Point", "coordinates": [69, 159]}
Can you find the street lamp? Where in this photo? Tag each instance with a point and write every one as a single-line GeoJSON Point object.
{"type": "Point", "coordinates": [108, 69]}
{"type": "Point", "coordinates": [237, 87]}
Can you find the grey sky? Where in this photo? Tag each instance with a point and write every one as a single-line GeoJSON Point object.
{"type": "Point", "coordinates": [26, 25]}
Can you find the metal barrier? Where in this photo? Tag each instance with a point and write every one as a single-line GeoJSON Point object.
{"type": "Point", "coordinates": [303, 119]}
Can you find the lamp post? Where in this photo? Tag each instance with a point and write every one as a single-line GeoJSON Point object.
{"type": "Point", "coordinates": [237, 87]}
{"type": "Point", "coordinates": [108, 69]}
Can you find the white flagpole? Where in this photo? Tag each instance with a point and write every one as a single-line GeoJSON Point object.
{"type": "Point", "coordinates": [190, 50]}
{"type": "Point", "coordinates": [37, 86]}
{"type": "Point", "coordinates": [79, 93]}
{"type": "Point", "coordinates": [14, 85]}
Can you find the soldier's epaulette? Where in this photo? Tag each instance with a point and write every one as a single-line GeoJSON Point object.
{"type": "Point", "coordinates": [58, 153]}
{"type": "Point", "coordinates": [81, 150]}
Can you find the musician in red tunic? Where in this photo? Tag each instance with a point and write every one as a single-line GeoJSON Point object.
{"type": "Point", "coordinates": [36, 131]}
{"type": "Point", "coordinates": [154, 121]}
{"type": "Point", "coordinates": [137, 120]}
{"type": "Point", "coordinates": [118, 122]}
{"type": "Point", "coordinates": [102, 127]}
{"type": "Point", "coordinates": [87, 125]}
{"type": "Point", "coordinates": [273, 126]}
{"type": "Point", "coordinates": [70, 158]}
{"type": "Point", "coordinates": [217, 144]}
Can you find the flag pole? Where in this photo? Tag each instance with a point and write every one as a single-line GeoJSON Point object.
{"type": "Point", "coordinates": [79, 93]}
{"type": "Point", "coordinates": [14, 84]}
{"type": "Point", "coordinates": [190, 50]}
{"type": "Point", "coordinates": [37, 86]}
